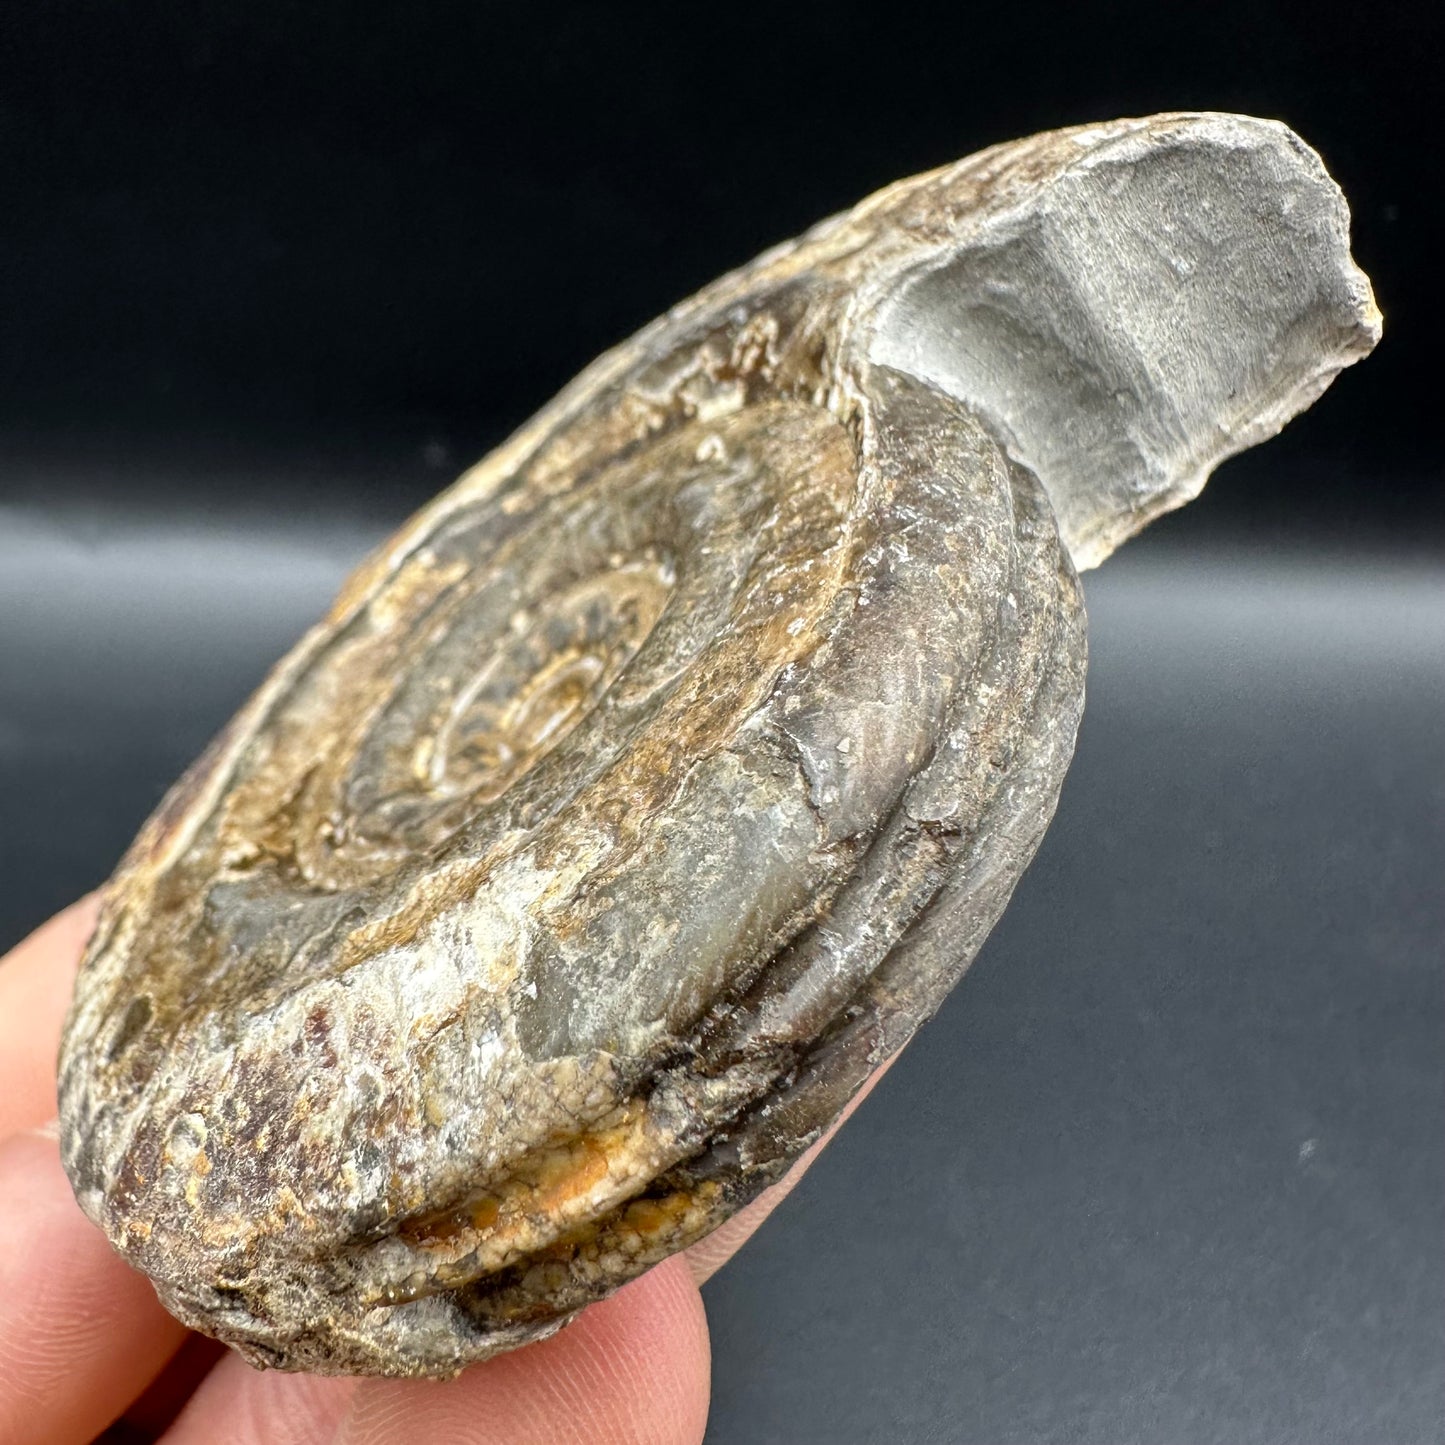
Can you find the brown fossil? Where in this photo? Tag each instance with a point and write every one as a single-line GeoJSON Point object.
{"type": "Point", "coordinates": [660, 778]}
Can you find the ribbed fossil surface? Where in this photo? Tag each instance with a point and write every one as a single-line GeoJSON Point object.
{"type": "Point", "coordinates": [660, 778]}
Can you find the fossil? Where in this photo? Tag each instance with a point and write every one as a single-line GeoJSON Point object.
{"type": "Point", "coordinates": [658, 779]}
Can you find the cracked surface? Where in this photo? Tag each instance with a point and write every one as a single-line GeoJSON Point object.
{"type": "Point", "coordinates": [658, 780]}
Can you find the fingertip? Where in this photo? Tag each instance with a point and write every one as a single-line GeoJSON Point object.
{"type": "Point", "coordinates": [81, 1334]}
{"type": "Point", "coordinates": [633, 1368]}
{"type": "Point", "coordinates": [238, 1405]}
{"type": "Point", "coordinates": [649, 1347]}
{"type": "Point", "coordinates": [62, 936]}
{"type": "Point", "coordinates": [37, 978]}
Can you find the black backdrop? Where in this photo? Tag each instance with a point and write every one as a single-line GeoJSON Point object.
{"type": "Point", "coordinates": [316, 225]}
{"type": "Point", "coordinates": [1169, 1164]}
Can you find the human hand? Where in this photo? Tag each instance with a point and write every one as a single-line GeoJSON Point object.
{"type": "Point", "coordinates": [87, 1351]}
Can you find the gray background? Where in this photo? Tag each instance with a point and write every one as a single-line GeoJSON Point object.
{"type": "Point", "coordinates": [1170, 1163]}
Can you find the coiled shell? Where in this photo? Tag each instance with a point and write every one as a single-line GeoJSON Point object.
{"type": "Point", "coordinates": [658, 780]}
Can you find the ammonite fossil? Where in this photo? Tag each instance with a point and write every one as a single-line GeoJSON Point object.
{"type": "Point", "coordinates": [657, 781]}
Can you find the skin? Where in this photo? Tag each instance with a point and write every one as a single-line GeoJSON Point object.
{"type": "Point", "coordinates": [86, 1351]}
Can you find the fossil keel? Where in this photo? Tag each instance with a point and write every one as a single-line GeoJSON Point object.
{"type": "Point", "coordinates": [657, 780]}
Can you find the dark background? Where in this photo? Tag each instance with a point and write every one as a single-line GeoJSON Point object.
{"type": "Point", "coordinates": [1170, 1166]}
{"type": "Point", "coordinates": [351, 240]}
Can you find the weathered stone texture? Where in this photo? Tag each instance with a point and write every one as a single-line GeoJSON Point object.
{"type": "Point", "coordinates": [660, 778]}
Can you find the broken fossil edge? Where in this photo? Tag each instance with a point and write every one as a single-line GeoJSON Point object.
{"type": "Point", "coordinates": [658, 780]}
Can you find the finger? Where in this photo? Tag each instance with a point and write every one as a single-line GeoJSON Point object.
{"type": "Point", "coordinates": [147, 1416]}
{"type": "Point", "coordinates": [236, 1405]}
{"type": "Point", "coordinates": [709, 1255]}
{"type": "Point", "coordinates": [633, 1368]}
{"type": "Point", "coordinates": [81, 1334]}
{"type": "Point", "coordinates": [36, 979]}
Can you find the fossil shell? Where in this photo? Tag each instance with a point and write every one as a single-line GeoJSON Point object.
{"type": "Point", "coordinates": [660, 778]}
